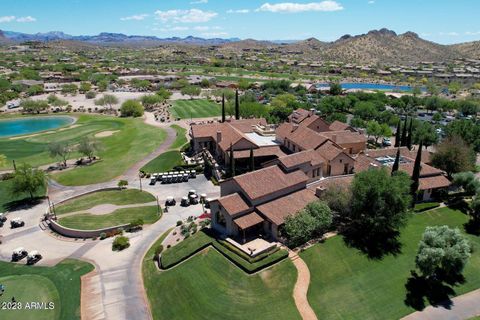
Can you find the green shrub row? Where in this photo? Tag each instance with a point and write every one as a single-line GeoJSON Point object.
{"type": "Point", "coordinates": [189, 247]}
{"type": "Point", "coordinates": [425, 206]}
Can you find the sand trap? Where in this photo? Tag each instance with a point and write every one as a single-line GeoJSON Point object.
{"type": "Point", "coordinates": [70, 127]}
{"type": "Point", "coordinates": [104, 134]}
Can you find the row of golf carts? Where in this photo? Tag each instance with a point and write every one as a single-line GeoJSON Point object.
{"type": "Point", "coordinates": [173, 176]}
{"type": "Point", "coordinates": [14, 223]}
{"type": "Point", "coordinates": [191, 199]}
{"type": "Point", "coordinates": [20, 253]}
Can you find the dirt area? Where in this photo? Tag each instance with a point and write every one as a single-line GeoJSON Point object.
{"type": "Point", "coordinates": [104, 134]}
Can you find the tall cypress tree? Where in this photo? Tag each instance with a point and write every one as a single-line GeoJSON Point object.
{"type": "Point", "coordinates": [232, 162]}
{"type": "Point", "coordinates": [409, 138]}
{"type": "Point", "coordinates": [252, 160]}
{"type": "Point", "coordinates": [416, 173]}
{"type": "Point", "coordinates": [237, 106]}
{"type": "Point", "coordinates": [397, 134]}
{"type": "Point", "coordinates": [403, 142]}
{"type": "Point", "coordinates": [396, 164]}
{"type": "Point", "coordinates": [223, 107]}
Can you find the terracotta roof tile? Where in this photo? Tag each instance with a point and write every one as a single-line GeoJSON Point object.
{"type": "Point", "coordinates": [345, 137]}
{"type": "Point", "coordinates": [339, 126]}
{"type": "Point", "coordinates": [434, 182]}
{"type": "Point", "coordinates": [266, 181]}
{"type": "Point", "coordinates": [248, 220]}
{"type": "Point", "coordinates": [277, 210]}
{"type": "Point", "coordinates": [233, 204]}
{"type": "Point", "coordinates": [295, 159]}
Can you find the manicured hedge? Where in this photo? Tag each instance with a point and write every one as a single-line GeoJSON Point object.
{"type": "Point", "coordinates": [203, 239]}
{"type": "Point", "coordinates": [425, 206]}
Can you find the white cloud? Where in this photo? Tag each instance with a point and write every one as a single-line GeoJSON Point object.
{"type": "Point", "coordinates": [206, 28]}
{"type": "Point", "coordinates": [214, 34]}
{"type": "Point", "coordinates": [185, 16]}
{"type": "Point", "coordinates": [371, 2]}
{"type": "Point", "coordinates": [238, 11]}
{"type": "Point", "coordinates": [7, 19]}
{"type": "Point", "coordinates": [199, 2]}
{"type": "Point", "coordinates": [450, 34]}
{"type": "Point", "coordinates": [470, 33]}
{"type": "Point", "coordinates": [171, 29]}
{"type": "Point", "coordinates": [26, 19]}
{"type": "Point", "coordinates": [291, 7]}
{"type": "Point", "coordinates": [137, 17]}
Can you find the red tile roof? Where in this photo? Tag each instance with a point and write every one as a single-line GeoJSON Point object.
{"type": "Point", "coordinates": [233, 204]}
{"type": "Point", "coordinates": [345, 137]}
{"type": "Point", "coordinates": [295, 159]}
{"type": "Point", "coordinates": [268, 180]}
{"type": "Point", "coordinates": [339, 126]}
{"type": "Point", "coordinates": [248, 220]}
{"type": "Point", "coordinates": [260, 152]}
{"type": "Point", "coordinates": [434, 182]}
{"type": "Point", "coordinates": [277, 210]}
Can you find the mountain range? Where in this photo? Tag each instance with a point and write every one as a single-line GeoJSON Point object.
{"type": "Point", "coordinates": [107, 37]}
{"type": "Point", "coordinates": [375, 47]}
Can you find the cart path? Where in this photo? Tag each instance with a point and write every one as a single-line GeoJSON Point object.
{"type": "Point", "coordinates": [301, 287]}
{"type": "Point", "coordinates": [463, 307]}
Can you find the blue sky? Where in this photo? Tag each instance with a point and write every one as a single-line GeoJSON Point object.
{"type": "Point", "coordinates": [443, 21]}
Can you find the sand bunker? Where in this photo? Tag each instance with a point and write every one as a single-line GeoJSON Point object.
{"type": "Point", "coordinates": [104, 134]}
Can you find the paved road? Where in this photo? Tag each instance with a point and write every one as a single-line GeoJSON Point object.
{"type": "Point", "coordinates": [115, 290]}
{"type": "Point", "coordinates": [464, 307]}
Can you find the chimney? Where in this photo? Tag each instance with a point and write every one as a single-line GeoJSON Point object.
{"type": "Point", "coordinates": [319, 191]}
{"type": "Point", "coordinates": [219, 136]}
{"type": "Point", "coordinates": [334, 138]}
{"type": "Point", "coordinates": [312, 112]}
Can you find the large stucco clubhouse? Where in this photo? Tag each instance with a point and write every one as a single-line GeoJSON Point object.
{"type": "Point", "coordinates": [295, 162]}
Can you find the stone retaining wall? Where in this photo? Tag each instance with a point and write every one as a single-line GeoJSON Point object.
{"type": "Point", "coordinates": [75, 233]}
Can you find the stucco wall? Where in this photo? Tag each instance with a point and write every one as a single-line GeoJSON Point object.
{"type": "Point", "coordinates": [74, 233]}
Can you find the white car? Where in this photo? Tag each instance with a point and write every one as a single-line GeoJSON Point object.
{"type": "Point", "coordinates": [387, 142]}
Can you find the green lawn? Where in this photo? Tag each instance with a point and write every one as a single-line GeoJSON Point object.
{"type": "Point", "coordinates": [7, 201]}
{"type": "Point", "coordinates": [201, 108]}
{"type": "Point", "coordinates": [59, 284]}
{"type": "Point", "coordinates": [164, 162]}
{"type": "Point", "coordinates": [133, 141]}
{"type": "Point", "coordinates": [210, 287]}
{"type": "Point", "coordinates": [85, 221]}
{"type": "Point", "coordinates": [345, 284]}
{"type": "Point", "coordinates": [117, 197]}
{"type": "Point", "coordinates": [181, 138]}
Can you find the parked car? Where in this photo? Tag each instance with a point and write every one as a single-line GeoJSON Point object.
{"type": "Point", "coordinates": [33, 257]}
{"type": "Point", "coordinates": [16, 223]}
{"type": "Point", "coordinates": [387, 142]}
{"type": "Point", "coordinates": [18, 254]}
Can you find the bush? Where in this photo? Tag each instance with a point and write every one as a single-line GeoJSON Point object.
{"type": "Point", "coordinates": [135, 225]}
{"type": "Point", "coordinates": [122, 184]}
{"type": "Point", "coordinates": [131, 108]}
{"type": "Point", "coordinates": [179, 223]}
{"type": "Point", "coordinates": [90, 95]}
{"type": "Point", "coordinates": [120, 243]}
{"type": "Point", "coordinates": [103, 235]}
{"type": "Point", "coordinates": [158, 251]}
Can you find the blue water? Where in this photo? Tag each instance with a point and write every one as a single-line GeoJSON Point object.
{"type": "Point", "coordinates": [21, 126]}
{"type": "Point", "coordinates": [370, 86]}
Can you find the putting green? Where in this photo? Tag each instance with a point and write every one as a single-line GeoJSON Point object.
{"type": "Point", "coordinates": [29, 290]}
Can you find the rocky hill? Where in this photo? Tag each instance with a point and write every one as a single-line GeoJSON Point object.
{"type": "Point", "coordinates": [385, 46]}
{"type": "Point", "coordinates": [468, 49]}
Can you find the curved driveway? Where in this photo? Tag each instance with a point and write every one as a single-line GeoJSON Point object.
{"type": "Point", "coordinates": [115, 290]}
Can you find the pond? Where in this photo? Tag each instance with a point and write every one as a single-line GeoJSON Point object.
{"type": "Point", "coordinates": [371, 86]}
{"type": "Point", "coordinates": [21, 126]}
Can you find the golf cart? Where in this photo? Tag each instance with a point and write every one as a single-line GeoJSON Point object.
{"type": "Point", "coordinates": [16, 223]}
{"type": "Point", "coordinates": [33, 257]}
{"type": "Point", "coordinates": [184, 202]}
{"type": "Point", "coordinates": [170, 201]}
{"type": "Point", "coordinates": [18, 254]}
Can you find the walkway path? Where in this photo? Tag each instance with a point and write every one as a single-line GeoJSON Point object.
{"type": "Point", "coordinates": [301, 287]}
{"type": "Point", "coordinates": [464, 307]}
